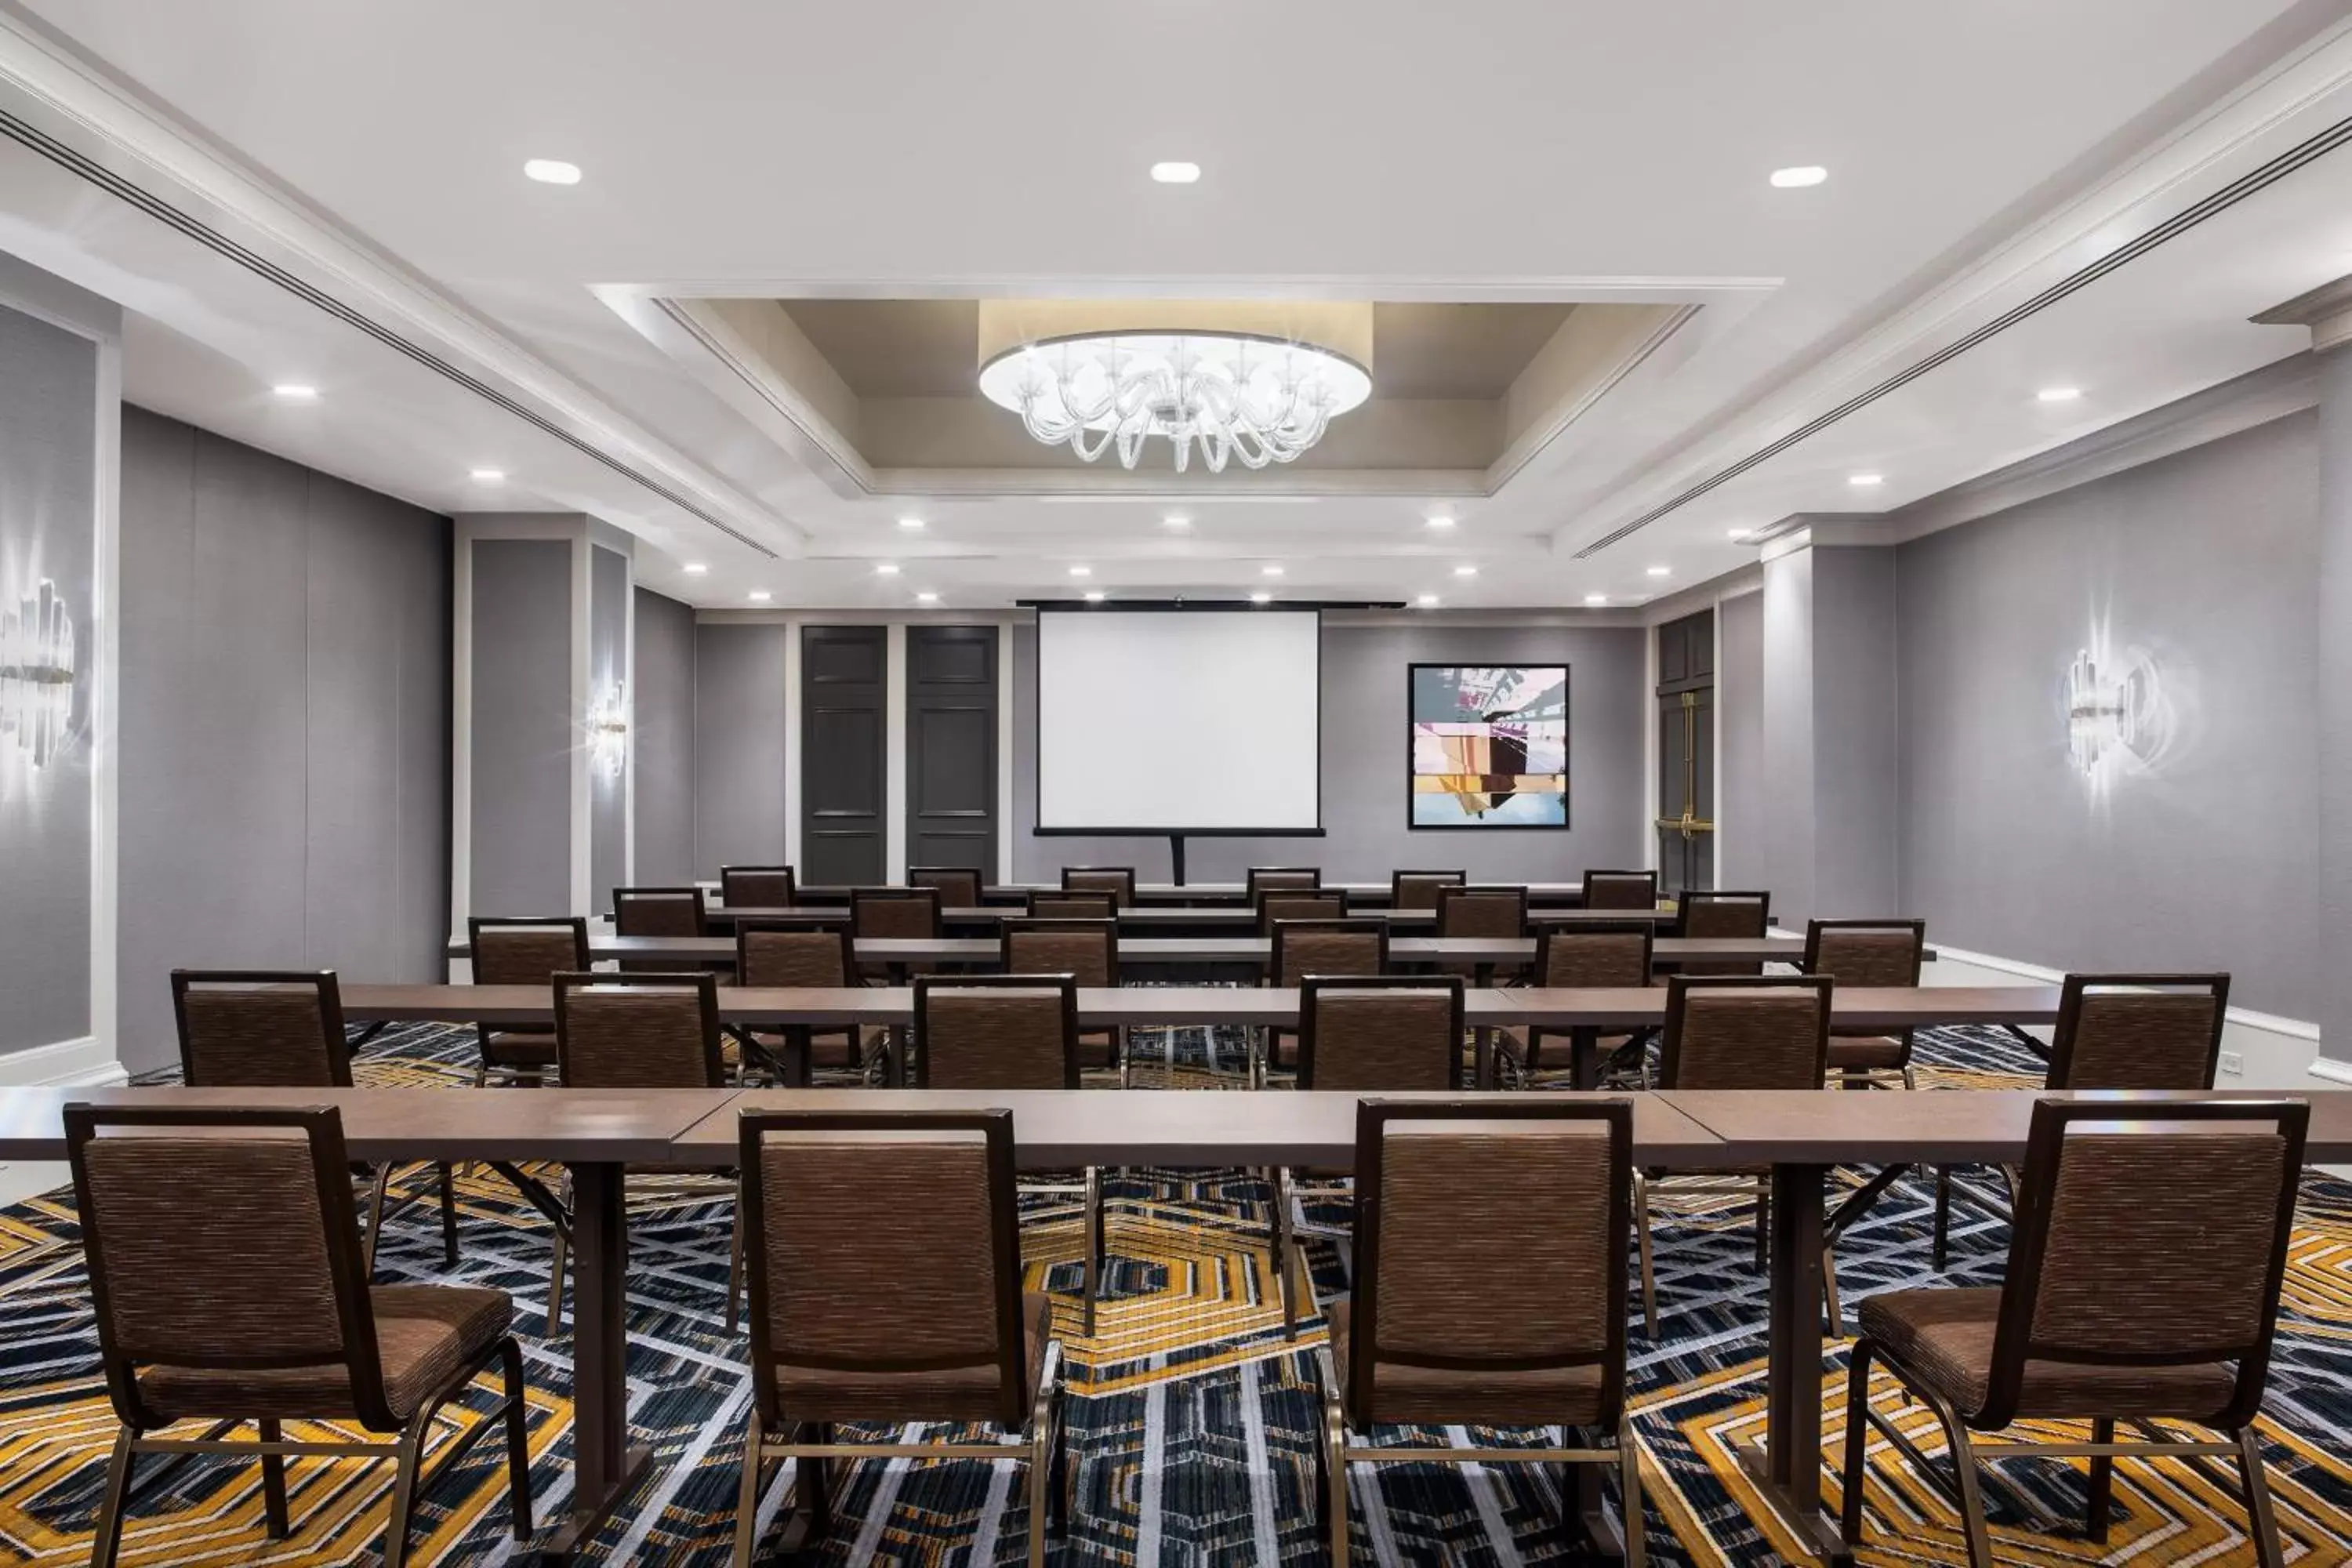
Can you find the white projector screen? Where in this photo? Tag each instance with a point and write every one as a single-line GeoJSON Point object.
{"type": "Point", "coordinates": [1178, 721]}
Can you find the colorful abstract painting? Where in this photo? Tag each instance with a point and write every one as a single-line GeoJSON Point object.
{"type": "Point", "coordinates": [1489, 746]}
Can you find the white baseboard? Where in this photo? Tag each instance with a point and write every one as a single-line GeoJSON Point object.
{"type": "Point", "coordinates": [68, 1064]}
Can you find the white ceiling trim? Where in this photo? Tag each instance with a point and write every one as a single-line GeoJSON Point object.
{"type": "Point", "coordinates": [360, 276]}
{"type": "Point", "coordinates": [1657, 289]}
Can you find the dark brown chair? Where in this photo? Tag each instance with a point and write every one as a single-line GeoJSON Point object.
{"type": "Point", "coordinates": [1865, 952]}
{"type": "Point", "coordinates": [659, 912]}
{"type": "Point", "coordinates": [907, 913]}
{"type": "Point", "coordinates": [925, 1200]}
{"type": "Point", "coordinates": [1620, 890]}
{"type": "Point", "coordinates": [1490, 911]}
{"type": "Point", "coordinates": [1297, 904]}
{"type": "Point", "coordinates": [1735, 1032]}
{"type": "Point", "coordinates": [1366, 1033]}
{"type": "Point", "coordinates": [229, 1286]}
{"type": "Point", "coordinates": [1711, 912]}
{"type": "Point", "coordinates": [1294, 879]}
{"type": "Point", "coordinates": [1300, 948]}
{"type": "Point", "coordinates": [529, 951]}
{"type": "Point", "coordinates": [811, 952]}
{"type": "Point", "coordinates": [1085, 949]}
{"type": "Point", "coordinates": [1419, 889]}
{"type": "Point", "coordinates": [758, 886]}
{"type": "Point", "coordinates": [1591, 955]}
{"type": "Point", "coordinates": [2114, 1031]}
{"type": "Point", "coordinates": [1489, 1291]}
{"type": "Point", "coordinates": [1009, 1032]}
{"type": "Point", "coordinates": [2143, 1285]}
{"type": "Point", "coordinates": [1118, 881]}
{"type": "Point", "coordinates": [265, 1028]}
{"type": "Point", "coordinates": [636, 1032]}
{"type": "Point", "coordinates": [958, 887]}
{"type": "Point", "coordinates": [1096, 904]}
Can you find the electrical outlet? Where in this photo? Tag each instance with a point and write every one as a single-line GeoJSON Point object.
{"type": "Point", "coordinates": [2232, 1064]}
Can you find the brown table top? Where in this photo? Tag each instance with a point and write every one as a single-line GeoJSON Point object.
{"type": "Point", "coordinates": [1145, 917]}
{"type": "Point", "coordinates": [413, 1124]}
{"type": "Point", "coordinates": [1058, 1128]}
{"type": "Point", "coordinates": [1241, 949]}
{"type": "Point", "coordinates": [1859, 1006]}
{"type": "Point", "coordinates": [1171, 892]}
{"type": "Point", "coordinates": [1927, 1127]}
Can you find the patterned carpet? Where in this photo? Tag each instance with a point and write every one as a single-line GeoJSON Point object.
{"type": "Point", "coordinates": [1191, 1421]}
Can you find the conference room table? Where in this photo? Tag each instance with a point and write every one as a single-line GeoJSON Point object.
{"type": "Point", "coordinates": [1144, 921]}
{"type": "Point", "coordinates": [1552, 895]}
{"type": "Point", "coordinates": [1801, 1135]}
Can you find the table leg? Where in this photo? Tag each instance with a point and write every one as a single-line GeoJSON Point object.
{"type": "Point", "coordinates": [606, 1465]}
{"type": "Point", "coordinates": [1483, 1057]}
{"type": "Point", "coordinates": [1787, 1466]}
{"type": "Point", "coordinates": [1584, 1059]}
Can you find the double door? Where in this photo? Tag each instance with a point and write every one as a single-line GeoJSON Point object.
{"type": "Point", "coordinates": [1686, 786]}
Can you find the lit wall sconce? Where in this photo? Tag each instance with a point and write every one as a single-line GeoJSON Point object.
{"type": "Point", "coordinates": [2117, 719]}
{"type": "Point", "coordinates": [38, 670]}
{"type": "Point", "coordinates": [608, 729]}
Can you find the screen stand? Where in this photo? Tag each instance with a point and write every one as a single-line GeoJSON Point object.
{"type": "Point", "coordinates": [1176, 858]}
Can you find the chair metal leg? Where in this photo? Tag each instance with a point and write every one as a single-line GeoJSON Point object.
{"type": "Point", "coordinates": [1094, 1244]}
{"type": "Point", "coordinates": [1964, 1467]}
{"type": "Point", "coordinates": [106, 1538]}
{"type": "Point", "coordinates": [814, 1485]}
{"type": "Point", "coordinates": [1629, 1498]}
{"type": "Point", "coordinates": [273, 1486]}
{"type": "Point", "coordinates": [2260, 1521]}
{"type": "Point", "coordinates": [1283, 1243]}
{"type": "Point", "coordinates": [1763, 1223]}
{"type": "Point", "coordinates": [375, 1216]}
{"type": "Point", "coordinates": [1335, 1446]}
{"type": "Point", "coordinates": [2101, 1486]}
{"type": "Point", "coordinates": [1857, 1443]}
{"type": "Point", "coordinates": [1642, 1250]}
{"type": "Point", "coordinates": [555, 1267]}
{"type": "Point", "coordinates": [1943, 1216]}
{"type": "Point", "coordinates": [404, 1493]}
{"type": "Point", "coordinates": [735, 1267]}
{"type": "Point", "coordinates": [747, 1496]}
{"type": "Point", "coordinates": [518, 1419]}
{"type": "Point", "coordinates": [1829, 1291]}
{"type": "Point", "coordinates": [1041, 1478]}
{"type": "Point", "coordinates": [448, 1218]}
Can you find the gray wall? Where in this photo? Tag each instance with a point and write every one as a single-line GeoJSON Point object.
{"type": "Point", "coordinates": [664, 740]}
{"type": "Point", "coordinates": [1855, 842]}
{"type": "Point", "coordinates": [285, 764]}
{"type": "Point", "coordinates": [49, 468]}
{"type": "Point", "coordinates": [740, 788]}
{"type": "Point", "coordinates": [1787, 749]}
{"type": "Point", "coordinates": [2333, 575]}
{"type": "Point", "coordinates": [2208, 559]}
{"type": "Point", "coordinates": [520, 777]}
{"type": "Point", "coordinates": [1363, 764]}
{"type": "Point", "coordinates": [1741, 860]}
{"type": "Point", "coordinates": [608, 667]}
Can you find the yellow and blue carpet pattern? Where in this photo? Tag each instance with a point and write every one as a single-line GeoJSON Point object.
{"type": "Point", "coordinates": [1191, 1420]}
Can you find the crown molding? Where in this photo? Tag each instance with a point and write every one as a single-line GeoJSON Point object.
{"type": "Point", "coordinates": [2327, 310]}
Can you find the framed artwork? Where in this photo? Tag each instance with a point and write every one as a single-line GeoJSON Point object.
{"type": "Point", "coordinates": [1488, 746]}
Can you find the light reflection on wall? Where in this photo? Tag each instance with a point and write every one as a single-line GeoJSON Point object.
{"type": "Point", "coordinates": [2120, 723]}
{"type": "Point", "coordinates": [608, 729]}
{"type": "Point", "coordinates": [37, 670]}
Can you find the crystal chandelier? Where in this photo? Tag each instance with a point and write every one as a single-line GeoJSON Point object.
{"type": "Point", "coordinates": [1236, 395]}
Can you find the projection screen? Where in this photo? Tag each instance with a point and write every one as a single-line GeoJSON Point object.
{"type": "Point", "coordinates": [1178, 721]}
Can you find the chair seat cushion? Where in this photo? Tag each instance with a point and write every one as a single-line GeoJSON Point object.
{"type": "Point", "coordinates": [1942, 1340]}
{"type": "Point", "coordinates": [426, 1336]}
{"type": "Point", "coordinates": [519, 1048]}
{"type": "Point", "coordinates": [1445, 1396]}
{"type": "Point", "coordinates": [961, 1393]}
{"type": "Point", "coordinates": [1867, 1051]}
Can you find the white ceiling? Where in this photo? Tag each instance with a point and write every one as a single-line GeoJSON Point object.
{"type": "Point", "coordinates": [1551, 152]}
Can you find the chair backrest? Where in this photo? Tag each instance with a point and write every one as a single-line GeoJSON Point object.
{"type": "Point", "coordinates": [1744, 1031]}
{"type": "Point", "coordinates": [530, 951]}
{"type": "Point", "coordinates": [1714, 912]}
{"type": "Point", "coordinates": [658, 911]}
{"type": "Point", "coordinates": [1297, 904]}
{"type": "Point", "coordinates": [1603, 954]}
{"type": "Point", "coordinates": [794, 952]}
{"type": "Point", "coordinates": [2159, 1240]}
{"type": "Point", "coordinates": [1293, 878]}
{"type": "Point", "coordinates": [254, 1028]}
{"type": "Point", "coordinates": [907, 912]}
{"type": "Point", "coordinates": [1302, 948]}
{"type": "Point", "coordinates": [1620, 890]}
{"type": "Point", "coordinates": [223, 1240]}
{"type": "Point", "coordinates": [834, 1201]}
{"type": "Point", "coordinates": [2138, 1031]}
{"type": "Point", "coordinates": [1085, 949]}
{"type": "Point", "coordinates": [1118, 881]}
{"type": "Point", "coordinates": [1083, 904]}
{"type": "Point", "coordinates": [1390, 1032]}
{"type": "Point", "coordinates": [758, 886]}
{"type": "Point", "coordinates": [1866, 952]}
{"type": "Point", "coordinates": [1528, 1204]}
{"type": "Point", "coordinates": [996, 1031]}
{"type": "Point", "coordinates": [638, 1031]}
{"type": "Point", "coordinates": [1500, 911]}
{"type": "Point", "coordinates": [958, 886]}
{"type": "Point", "coordinates": [1419, 889]}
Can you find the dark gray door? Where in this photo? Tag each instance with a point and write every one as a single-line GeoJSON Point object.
{"type": "Point", "coordinates": [952, 747]}
{"type": "Point", "coordinates": [843, 783]}
{"type": "Point", "coordinates": [1686, 698]}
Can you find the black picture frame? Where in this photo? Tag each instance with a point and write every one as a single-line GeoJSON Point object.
{"type": "Point", "coordinates": [1568, 733]}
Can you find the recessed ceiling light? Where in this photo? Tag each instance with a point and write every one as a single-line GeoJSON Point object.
{"type": "Point", "coordinates": [1864, 481]}
{"type": "Point", "coordinates": [2059, 394]}
{"type": "Point", "coordinates": [1800, 176]}
{"type": "Point", "coordinates": [1176, 173]}
{"type": "Point", "coordinates": [1661, 571]}
{"type": "Point", "coordinates": [695, 568]}
{"type": "Point", "coordinates": [489, 476]}
{"type": "Point", "coordinates": [1441, 519]}
{"type": "Point", "coordinates": [1466, 570]}
{"type": "Point", "coordinates": [760, 596]}
{"type": "Point", "coordinates": [927, 597]}
{"type": "Point", "coordinates": [886, 569]}
{"type": "Point", "coordinates": [1596, 598]}
{"type": "Point", "coordinates": [295, 391]}
{"type": "Point", "coordinates": [1426, 601]}
{"type": "Point", "coordinates": [1261, 599]}
{"type": "Point", "coordinates": [1094, 596]}
{"type": "Point", "coordinates": [551, 172]}
{"type": "Point", "coordinates": [1270, 571]}
{"type": "Point", "coordinates": [910, 522]}
{"type": "Point", "coordinates": [1082, 571]}
{"type": "Point", "coordinates": [1739, 533]}
{"type": "Point", "coordinates": [1177, 519]}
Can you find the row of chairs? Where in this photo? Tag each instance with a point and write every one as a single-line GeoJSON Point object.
{"type": "Point", "coordinates": [960, 886]}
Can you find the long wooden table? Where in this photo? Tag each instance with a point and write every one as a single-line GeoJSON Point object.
{"type": "Point", "coordinates": [1550, 895]}
{"type": "Point", "coordinates": [1167, 921]}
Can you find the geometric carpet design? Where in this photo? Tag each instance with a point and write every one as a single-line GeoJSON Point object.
{"type": "Point", "coordinates": [1191, 1420]}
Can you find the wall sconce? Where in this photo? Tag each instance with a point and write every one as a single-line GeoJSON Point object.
{"type": "Point", "coordinates": [608, 729]}
{"type": "Point", "coordinates": [38, 670]}
{"type": "Point", "coordinates": [2116, 715]}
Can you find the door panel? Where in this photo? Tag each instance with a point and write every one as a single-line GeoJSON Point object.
{"type": "Point", "coordinates": [843, 780]}
{"type": "Point", "coordinates": [1685, 783]}
{"type": "Point", "coordinates": [952, 747]}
